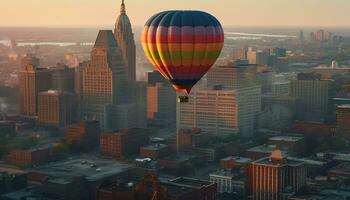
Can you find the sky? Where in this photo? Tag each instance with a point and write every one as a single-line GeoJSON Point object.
{"type": "Point", "coordinates": [103, 13]}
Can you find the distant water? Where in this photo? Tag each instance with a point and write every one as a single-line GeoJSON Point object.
{"type": "Point", "coordinates": [61, 44]}
{"type": "Point", "coordinates": [254, 36]}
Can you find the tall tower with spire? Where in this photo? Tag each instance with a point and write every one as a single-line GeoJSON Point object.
{"type": "Point", "coordinates": [125, 39]}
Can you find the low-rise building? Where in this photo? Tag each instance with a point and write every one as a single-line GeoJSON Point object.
{"type": "Point", "coordinates": [29, 157]}
{"type": "Point", "coordinates": [124, 143]}
{"type": "Point", "coordinates": [154, 151]}
{"type": "Point", "coordinates": [228, 182]}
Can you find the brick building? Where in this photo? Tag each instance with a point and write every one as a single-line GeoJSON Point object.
{"type": "Point", "coordinates": [85, 132]}
{"type": "Point", "coordinates": [124, 143]}
{"type": "Point", "coordinates": [189, 138]}
{"type": "Point", "coordinates": [29, 157]}
{"type": "Point", "coordinates": [181, 188]}
{"type": "Point", "coordinates": [154, 151]}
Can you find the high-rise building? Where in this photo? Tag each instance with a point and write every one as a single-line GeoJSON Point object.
{"type": "Point", "coordinates": [63, 78]}
{"type": "Point", "coordinates": [103, 78]}
{"type": "Point", "coordinates": [343, 119]}
{"type": "Point", "coordinates": [155, 77]}
{"type": "Point", "coordinates": [32, 80]}
{"type": "Point", "coordinates": [262, 57]}
{"type": "Point", "coordinates": [233, 76]}
{"type": "Point", "coordinates": [276, 177]}
{"type": "Point", "coordinates": [312, 37]}
{"type": "Point", "coordinates": [301, 35]}
{"type": "Point", "coordinates": [221, 111]}
{"type": "Point", "coordinates": [251, 55]}
{"type": "Point", "coordinates": [240, 53]}
{"type": "Point", "coordinates": [30, 60]}
{"type": "Point", "coordinates": [55, 108]}
{"type": "Point", "coordinates": [125, 39]}
{"type": "Point", "coordinates": [161, 103]}
{"type": "Point", "coordinates": [279, 52]}
{"type": "Point", "coordinates": [323, 36]}
{"type": "Point", "coordinates": [314, 94]}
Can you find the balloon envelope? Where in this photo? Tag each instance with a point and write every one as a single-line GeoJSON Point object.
{"type": "Point", "coordinates": [183, 45]}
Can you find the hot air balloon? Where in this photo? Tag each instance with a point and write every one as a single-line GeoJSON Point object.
{"type": "Point", "coordinates": [183, 45]}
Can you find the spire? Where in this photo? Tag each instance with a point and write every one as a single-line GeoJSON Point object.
{"type": "Point", "coordinates": [122, 8]}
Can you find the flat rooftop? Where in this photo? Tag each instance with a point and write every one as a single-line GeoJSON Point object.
{"type": "Point", "coordinates": [190, 182]}
{"type": "Point", "coordinates": [287, 162]}
{"type": "Point", "coordinates": [155, 147]}
{"type": "Point", "coordinates": [341, 169]}
{"type": "Point", "coordinates": [92, 169]}
{"type": "Point", "coordinates": [344, 106]}
{"type": "Point", "coordinates": [238, 159]}
{"type": "Point", "coordinates": [286, 138]}
{"type": "Point", "coordinates": [265, 149]}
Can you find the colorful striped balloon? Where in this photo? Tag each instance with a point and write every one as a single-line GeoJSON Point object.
{"type": "Point", "coordinates": [183, 45]}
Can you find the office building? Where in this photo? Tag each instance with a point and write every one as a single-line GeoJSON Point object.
{"type": "Point", "coordinates": [63, 78]}
{"type": "Point", "coordinates": [161, 104]}
{"type": "Point", "coordinates": [314, 94]}
{"type": "Point", "coordinates": [77, 178]}
{"type": "Point", "coordinates": [251, 55]}
{"type": "Point", "coordinates": [276, 177]}
{"type": "Point", "coordinates": [29, 157]}
{"type": "Point", "coordinates": [229, 181]}
{"type": "Point", "coordinates": [279, 52]}
{"type": "Point", "coordinates": [154, 151]}
{"type": "Point", "coordinates": [55, 108]}
{"type": "Point", "coordinates": [323, 36]}
{"type": "Point", "coordinates": [221, 111]}
{"type": "Point", "coordinates": [103, 78]}
{"type": "Point", "coordinates": [125, 39]}
{"type": "Point", "coordinates": [124, 143]}
{"type": "Point", "coordinates": [233, 77]}
{"type": "Point", "coordinates": [181, 188]}
{"type": "Point", "coordinates": [239, 53]}
{"type": "Point", "coordinates": [155, 77]}
{"type": "Point", "coordinates": [262, 57]}
{"type": "Point", "coordinates": [30, 60]}
{"type": "Point", "coordinates": [86, 133]}
{"type": "Point", "coordinates": [343, 119]}
{"type": "Point", "coordinates": [32, 81]}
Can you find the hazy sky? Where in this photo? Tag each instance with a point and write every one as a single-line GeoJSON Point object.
{"type": "Point", "coordinates": [102, 13]}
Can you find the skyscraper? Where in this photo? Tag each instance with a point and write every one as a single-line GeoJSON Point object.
{"type": "Point", "coordinates": [32, 80]}
{"type": "Point", "coordinates": [63, 78]}
{"type": "Point", "coordinates": [276, 177]}
{"type": "Point", "coordinates": [125, 39]}
{"type": "Point", "coordinates": [103, 78]}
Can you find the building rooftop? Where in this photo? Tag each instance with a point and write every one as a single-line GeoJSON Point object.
{"type": "Point", "coordinates": [286, 138]}
{"type": "Point", "coordinates": [190, 182]}
{"type": "Point", "coordinates": [155, 147]}
{"type": "Point", "coordinates": [265, 149]}
{"type": "Point", "coordinates": [10, 169]}
{"type": "Point", "coordinates": [344, 106]}
{"type": "Point", "coordinates": [92, 169]}
{"type": "Point", "coordinates": [274, 161]}
{"type": "Point", "coordinates": [342, 169]}
{"type": "Point", "coordinates": [229, 173]}
{"type": "Point", "coordinates": [105, 39]}
{"type": "Point", "coordinates": [238, 159]}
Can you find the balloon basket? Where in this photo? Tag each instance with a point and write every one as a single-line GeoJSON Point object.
{"type": "Point", "coordinates": [182, 99]}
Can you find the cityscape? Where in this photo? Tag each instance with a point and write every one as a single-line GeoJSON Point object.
{"type": "Point", "coordinates": [180, 104]}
